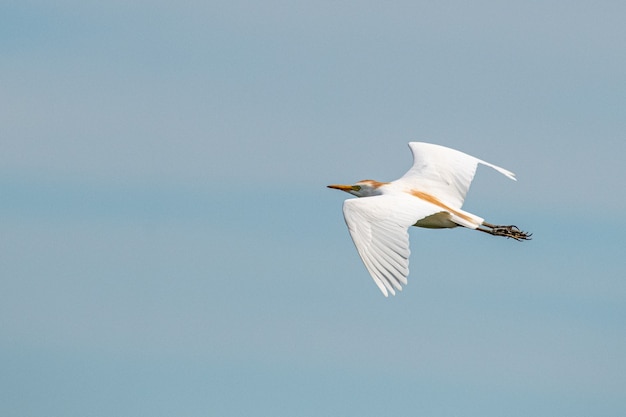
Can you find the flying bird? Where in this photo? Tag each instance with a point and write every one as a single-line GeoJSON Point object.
{"type": "Point", "coordinates": [429, 195]}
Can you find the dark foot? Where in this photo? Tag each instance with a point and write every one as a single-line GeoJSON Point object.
{"type": "Point", "coordinates": [512, 232]}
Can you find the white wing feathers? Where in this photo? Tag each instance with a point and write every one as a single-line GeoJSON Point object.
{"type": "Point", "coordinates": [379, 229]}
{"type": "Point", "coordinates": [446, 173]}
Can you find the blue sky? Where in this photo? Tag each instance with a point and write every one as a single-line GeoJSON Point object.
{"type": "Point", "coordinates": [168, 246]}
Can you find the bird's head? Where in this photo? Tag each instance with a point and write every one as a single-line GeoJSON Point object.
{"type": "Point", "coordinates": [364, 188]}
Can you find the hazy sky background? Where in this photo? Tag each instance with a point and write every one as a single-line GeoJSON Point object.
{"type": "Point", "coordinates": [168, 246]}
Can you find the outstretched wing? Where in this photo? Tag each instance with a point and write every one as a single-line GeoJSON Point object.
{"type": "Point", "coordinates": [443, 172]}
{"type": "Point", "coordinates": [379, 229]}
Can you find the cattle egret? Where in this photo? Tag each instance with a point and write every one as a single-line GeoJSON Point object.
{"type": "Point", "coordinates": [429, 195]}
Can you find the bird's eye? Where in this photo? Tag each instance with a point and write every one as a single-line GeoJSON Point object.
{"type": "Point", "coordinates": [356, 187]}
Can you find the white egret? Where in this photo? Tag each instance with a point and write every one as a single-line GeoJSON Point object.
{"type": "Point", "coordinates": [429, 195]}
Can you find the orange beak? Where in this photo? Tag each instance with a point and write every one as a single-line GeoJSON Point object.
{"type": "Point", "coordinates": [346, 188]}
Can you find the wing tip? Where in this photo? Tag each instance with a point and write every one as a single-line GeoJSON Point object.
{"type": "Point", "coordinates": [387, 290]}
{"type": "Point", "coordinates": [503, 171]}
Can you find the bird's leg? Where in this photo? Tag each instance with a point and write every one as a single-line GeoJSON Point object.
{"type": "Point", "coordinates": [506, 231]}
